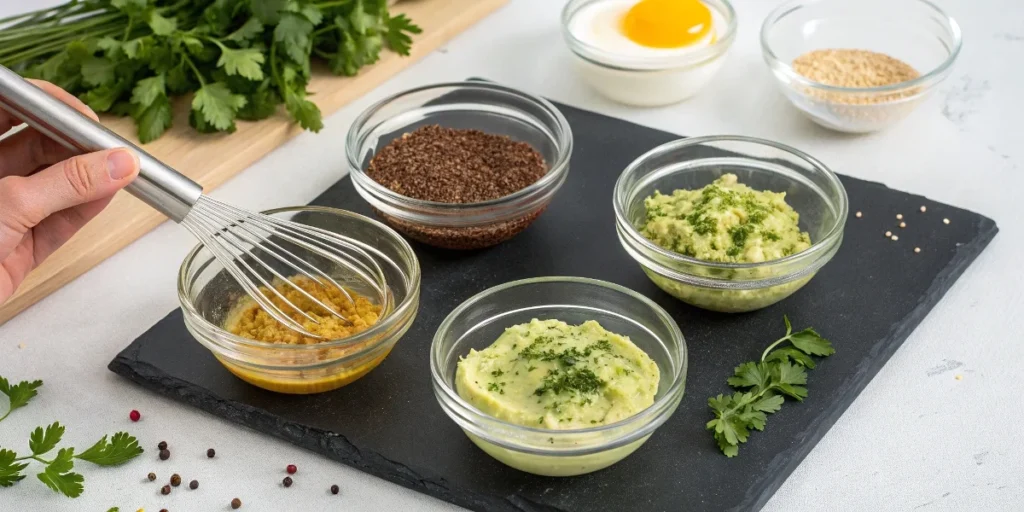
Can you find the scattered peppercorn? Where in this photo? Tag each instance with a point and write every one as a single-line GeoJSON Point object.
{"type": "Point", "coordinates": [163, 510]}
{"type": "Point", "coordinates": [151, 476]}
{"type": "Point", "coordinates": [210, 453]}
{"type": "Point", "coordinates": [165, 490]}
{"type": "Point", "coordinates": [335, 489]}
{"type": "Point", "coordinates": [194, 484]}
{"type": "Point", "coordinates": [287, 481]}
{"type": "Point", "coordinates": [162, 445]}
{"type": "Point", "coordinates": [134, 415]}
{"type": "Point", "coordinates": [291, 469]}
{"type": "Point", "coordinates": [175, 479]}
{"type": "Point", "coordinates": [165, 454]}
{"type": "Point", "coordinates": [236, 503]}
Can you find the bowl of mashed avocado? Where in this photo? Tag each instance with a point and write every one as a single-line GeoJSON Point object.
{"type": "Point", "coordinates": [558, 376]}
{"type": "Point", "coordinates": [729, 223]}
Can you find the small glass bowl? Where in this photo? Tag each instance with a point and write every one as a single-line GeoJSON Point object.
{"type": "Point", "coordinates": [913, 31]}
{"type": "Point", "coordinates": [483, 106]}
{"type": "Point", "coordinates": [207, 295]}
{"type": "Point", "coordinates": [661, 78]}
{"type": "Point", "coordinates": [811, 189]}
{"type": "Point", "coordinates": [479, 321]}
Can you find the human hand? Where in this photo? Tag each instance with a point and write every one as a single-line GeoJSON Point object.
{"type": "Point", "coordinates": [47, 193]}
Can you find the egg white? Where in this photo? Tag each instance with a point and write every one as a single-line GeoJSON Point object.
{"type": "Point", "coordinates": [599, 25]}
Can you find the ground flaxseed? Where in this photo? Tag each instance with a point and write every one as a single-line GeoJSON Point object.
{"type": "Point", "coordinates": [446, 165]}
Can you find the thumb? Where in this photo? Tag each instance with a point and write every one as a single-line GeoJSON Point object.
{"type": "Point", "coordinates": [75, 181]}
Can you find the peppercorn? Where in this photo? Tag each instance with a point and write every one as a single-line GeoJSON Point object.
{"type": "Point", "coordinates": [194, 484]}
{"type": "Point", "coordinates": [163, 510]}
{"type": "Point", "coordinates": [287, 481]}
{"type": "Point", "coordinates": [175, 479]}
{"type": "Point", "coordinates": [335, 489]}
{"type": "Point", "coordinates": [151, 476]}
{"type": "Point", "coordinates": [134, 415]}
{"type": "Point", "coordinates": [162, 445]}
{"type": "Point", "coordinates": [165, 454]}
{"type": "Point", "coordinates": [165, 490]}
{"type": "Point", "coordinates": [291, 469]}
{"type": "Point", "coordinates": [210, 453]}
{"type": "Point", "coordinates": [236, 503]}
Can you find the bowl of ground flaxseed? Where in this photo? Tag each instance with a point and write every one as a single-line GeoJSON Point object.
{"type": "Point", "coordinates": [461, 165]}
{"type": "Point", "coordinates": [859, 66]}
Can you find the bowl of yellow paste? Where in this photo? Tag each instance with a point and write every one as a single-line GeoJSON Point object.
{"type": "Point", "coordinates": [263, 352]}
{"type": "Point", "coordinates": [558, 376]}
{"type": "Point", "coordinates": [729, 223]}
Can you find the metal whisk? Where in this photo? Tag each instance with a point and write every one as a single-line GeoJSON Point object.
{"type": "Point", "coordinates": [254, 249]}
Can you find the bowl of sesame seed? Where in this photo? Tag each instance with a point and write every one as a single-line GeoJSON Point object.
{"type": "Point", "coordinates": [462, 165]}
{"type": "Point", "coordinates": [861, 66]}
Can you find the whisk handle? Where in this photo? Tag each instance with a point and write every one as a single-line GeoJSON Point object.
{"type": "Point", "coordinates": [158, 185]}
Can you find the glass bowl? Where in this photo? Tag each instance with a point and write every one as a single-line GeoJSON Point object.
{"type": "Point", "coordinates": [913, 31]}
{"type": "Point", "coordinates": [208, 294]}
{"type": "Point", "coordinates": [483, 106]}
{"type": "Point", "coordinates": [661, 78]}
{"type": "Point", "coordinates": [811, 189]}
{"type": "Point", "coordinates": [479, 321]}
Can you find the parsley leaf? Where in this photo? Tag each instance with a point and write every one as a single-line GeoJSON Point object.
{"type": "Point", "coordinates": [397, 35]}
{"type": "Point", "coordinates": [147, 90]}
{"type": "Point", "coordinates": [304, 111]}
{"type": "Point", "coordinates": [10, 470]}
{"type": "Point", "coordinates": [162, 26]}
{"type": "Point", "coordinates": [780, 372]}
{"type": "Point", "coordinates": [19, 394]}
{"type": "Point", "coordinates": [252, 28]}
{"type": "Point", "coordinates": [267, 11]}
{"type": "Point", "coordinates": [59, 477]}
{"type": "Point", "coordinates": [154, 120]}
{"type": "Point", "coordinates": [293, 32]}
{"type": "Point", "coordinates": [218, 105]}
{"type": "Point", "coordinates": [98, 71]}
{"type": "Point", "coordinates": [42, 441]}
{"type": "Point", "coordinates": [247, 62]}
{"type": "Point", "coordinates": [120, 449]}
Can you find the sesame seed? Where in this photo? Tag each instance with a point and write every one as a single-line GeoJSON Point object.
{"type": "Point", "coordinates": [945, 221]}
{"type": "Point", "coordinates": [888, 234]}
{"type": "Point", "coordinates": [859, 215]}
{"type": "Point", "coordinates": [899, 216]}
{"type": "Point", "coordinates": [959, 377]}
{"type": "Point", "coordinates": [924, 209]}
{"type": "Point", "coordinates": [917, 250]}
{"type": "Point", "coordinates": [903, 224]}
{"type": "Point", "coordinates": [894, 238]}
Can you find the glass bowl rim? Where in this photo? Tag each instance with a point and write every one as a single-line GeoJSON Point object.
{"type": "Point", "coordinates": [928, 78]}
{"type": "Point", "coordinates": [648, 419]}
{"type": "Point", "coordinates": [819, 246]}
{"type": "Point", "coordinates": [602, 57]}
{"type": "Point", "coordinates": [563, 140]}
{"type": "Point", "coordinates": [383, 325]}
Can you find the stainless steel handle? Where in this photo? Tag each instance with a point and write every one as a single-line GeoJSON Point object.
{"type": "Point", "coordinates": [158, 185]}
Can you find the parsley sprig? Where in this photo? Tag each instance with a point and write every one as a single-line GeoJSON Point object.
{"type": "Point", "coordinates": [58, 472]}
{"type": "Point", "coordinates": [242, 59]}
{"type": "Point", "coordinates": [764, 385]}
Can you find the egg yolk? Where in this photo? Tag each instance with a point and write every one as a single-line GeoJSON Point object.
{"type": "Point", "coordinates": [667, 23]}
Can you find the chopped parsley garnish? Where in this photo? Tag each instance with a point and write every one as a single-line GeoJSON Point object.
{"type": "Point", "coordinates": [578, 380]}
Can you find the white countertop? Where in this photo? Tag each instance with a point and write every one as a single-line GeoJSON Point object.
{"type": "Point", "coordinates": [915, 439]}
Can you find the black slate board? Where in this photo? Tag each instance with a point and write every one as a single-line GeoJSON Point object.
{"type": "Point", "coordinates": [867, 300]}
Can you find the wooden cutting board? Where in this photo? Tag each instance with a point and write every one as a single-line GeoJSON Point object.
{"type": "Point", "coordinates": [212, 159]}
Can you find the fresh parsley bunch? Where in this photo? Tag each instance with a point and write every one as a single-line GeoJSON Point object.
{"type": "Point", "coordinates": [763, 387]}
{"type": "Point", "coordinates": [58, 473]}
{"type": "Point", "coordinates": [240, 58]}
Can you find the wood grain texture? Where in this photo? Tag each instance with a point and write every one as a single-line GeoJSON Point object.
{"type": "Point", "coordinates": [212, 159]}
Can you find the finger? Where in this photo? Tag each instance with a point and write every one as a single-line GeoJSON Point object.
{"type": "Point", "coordinates": [79, 180]}
{"type": "Point", "coordinates": [28, 150]}
{"type": "Point", "coordinates": [15, 267]}
{"type": "Point", "coordinates": [58, 228]}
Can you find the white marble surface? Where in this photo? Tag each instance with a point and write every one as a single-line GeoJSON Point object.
{"type": "Point", "coordinates": [915, 439]}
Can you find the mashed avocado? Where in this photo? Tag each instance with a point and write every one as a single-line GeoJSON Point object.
{"type": "Point", "coordinates": [549, 374]}
{"type": "Point", "coordinates": [725, 221]}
